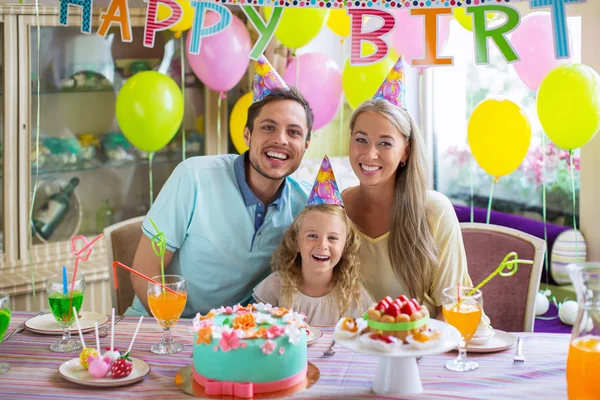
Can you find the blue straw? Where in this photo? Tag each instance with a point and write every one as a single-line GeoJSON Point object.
{"type": "Point", "coordinates": [64, 279]}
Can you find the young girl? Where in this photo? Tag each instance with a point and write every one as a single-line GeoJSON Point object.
{"type": "Point", "coordinates": [316, 268]}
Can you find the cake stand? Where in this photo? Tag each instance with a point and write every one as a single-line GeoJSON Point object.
{"type": "Point", "coordinates": [397, 372]}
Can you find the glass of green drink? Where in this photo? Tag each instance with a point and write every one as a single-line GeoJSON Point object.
{"type": "Point", "coordinates": [4, 321]}
{"type": "Point", "coordinates": [62, 301]}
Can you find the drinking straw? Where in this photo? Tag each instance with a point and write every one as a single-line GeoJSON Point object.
{"type": "Point", "coordinates": [78, 254]}
{"type": "Point", "coordinates": [512, 267]}
{"type": "Point", "coordinates": [64, 279]}
{"type": "Point", "coordinates": [159, 245]}
{"type": "Point", "coordinates": [135, 334]}
{"type": "Point", "coordinates": [458, 292]}
{"type": "Point", "coordinates": [112, 331]}
{"type": "Point", "coordinates": [116, 263]}
{"type": "Point", "coordinates": [97, 338]}
{"type": "Point", "coordinates": [79, 327]}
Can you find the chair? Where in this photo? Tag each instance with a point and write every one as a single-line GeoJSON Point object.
{"type": "Point", "coordinates": [122, 239]}
{"type": "Point", "coordinates": [508, 302]}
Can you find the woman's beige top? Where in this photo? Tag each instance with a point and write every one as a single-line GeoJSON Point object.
{"type": "Point", "coordinates": [318, 310]}
{"type": "Point", "coordinates": [379, 277]}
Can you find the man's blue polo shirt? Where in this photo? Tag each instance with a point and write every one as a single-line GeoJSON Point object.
{"type": "Point", "coordinates": [223, 236]}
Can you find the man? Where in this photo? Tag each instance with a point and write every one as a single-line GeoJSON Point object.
{"type": "Point", "coordinates": [223, 216]}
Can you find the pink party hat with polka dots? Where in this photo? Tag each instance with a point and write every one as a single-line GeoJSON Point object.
{"type": "Point", "coordinates": [325, 190]}
{"type": "Point", "coordinates": [393, 88]}
{"type": "Point", "coordinates": [266, 79]}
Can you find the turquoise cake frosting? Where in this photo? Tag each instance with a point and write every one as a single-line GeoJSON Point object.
{"type": "Point", "coordinates": [259, 344]}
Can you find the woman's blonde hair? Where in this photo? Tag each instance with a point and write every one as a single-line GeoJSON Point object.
{"type": "Point", "coordinates": [287, 261]}
{"type": "Point", "coordinates": [413, 250]}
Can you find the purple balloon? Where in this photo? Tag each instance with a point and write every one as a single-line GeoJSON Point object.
{"type": "Point", "coordinates": [408, 36]}
{"type": "Point", "coordinates": [224, 57]}
{"type": "Point", "coordinates": [320, 82]}
{"type": "Point", "coordinates": [533, 41]}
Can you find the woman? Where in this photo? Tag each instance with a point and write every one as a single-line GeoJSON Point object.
{"type": "Point", "coordinates": [412, 240]}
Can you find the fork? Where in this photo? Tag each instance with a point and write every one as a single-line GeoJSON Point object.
{"type": "Point", "coordinates": [519, 359]}
{"type": "Point", "coordinates": [329, 351]}
{"type": "Point", "coordinates": [104, 330]}
{"type": "Point", "coordinates": [19, 328]}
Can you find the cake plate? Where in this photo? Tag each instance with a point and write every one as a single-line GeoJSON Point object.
{"type": "Point", "coordinates": [397, 371]}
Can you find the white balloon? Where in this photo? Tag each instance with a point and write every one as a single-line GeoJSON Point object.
{"type": "Point", "coordinates": [568, 312]}
{"type": "Point", "coordinates": [542, 304]}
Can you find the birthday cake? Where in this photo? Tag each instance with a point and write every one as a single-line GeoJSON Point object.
{"type": "Point", "coordinates": [242, 351]}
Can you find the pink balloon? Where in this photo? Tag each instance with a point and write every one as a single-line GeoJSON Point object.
{"type": "Point", "coordinates": [533, 41]}
{"type": "Point", "coordinates": [320, 82]}
{"type": "Point", "coordinates": [408, 36]}
{"type": "Point", "coordinates": [224, 57]}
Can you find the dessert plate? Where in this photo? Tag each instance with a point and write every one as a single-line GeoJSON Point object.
{"type": "Point", "coordinates": [314, 334]}
{"type": "Point", "coordinates": [46, 324]}
{"type": "Point", "coordinates": [498, 342]}
{"type": "Point", "coordinates": [73, 371]}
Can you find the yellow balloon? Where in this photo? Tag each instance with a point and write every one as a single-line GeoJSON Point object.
{"type": "Point", "coordinates": [237, 122]}
{"type": "Point", "coordinates": [499, 135]}
{"type": "Point", "coordinates": [187, 18]}
{"type": "Point", "coordinates": [568, 105]}
{"type": "Point", "coordinates": [339, 22]}
{"type": "Point", "coordinates": [360, 82]}
{"type": "Point", "coordinates": [466, 20]}
{"type": "Point", "coordinates": [298, 26]}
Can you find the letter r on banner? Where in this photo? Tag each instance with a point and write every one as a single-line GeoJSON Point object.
{"type": "Point", "coordinates": [357, 36]}
{"type": "Point", "coordinates": [198, 31]}
{"type": "Point", "coordinates": [153, 26]}
{"type": "Point", "coordinates": [86, 18]}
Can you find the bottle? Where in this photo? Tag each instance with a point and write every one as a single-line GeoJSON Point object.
{"type": "Point", "coordinates": [105, 216]}
{"type": "Point", "coordinates": [47, 218]}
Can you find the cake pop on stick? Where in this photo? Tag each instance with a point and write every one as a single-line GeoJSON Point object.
{"type": "Point", "coordinates": [123, 366]}
{"type": "Point", "coordinates": [85, 352]}
{"type": "Point", "coordinates": [112, 354]}
{"type": "Point", "coordinates": [98, 366]}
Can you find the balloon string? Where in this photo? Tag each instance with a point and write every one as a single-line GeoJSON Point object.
{"type": "Point", "coordinates": [544, 208]}
{"type": "Point", "coordinates": [298, 72]}
{"type": "Point", "coordinates": [471, 159]}
{"type": "Point", "coordinates": [37, 155]}
{"type": "Point", "coordinates": [572, 167]}
{"type": "Point", "coordinates": [182, 54]}
{"type": "Point", "coordinates": [489, 210]}
{"type": "Point", "coordinates": [150, 180]}
{"type": "Point", "coordinates": [342, 109]}
{"type": "Point", "coordinates": [219, 122]}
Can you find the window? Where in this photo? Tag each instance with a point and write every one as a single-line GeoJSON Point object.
{"type": "Point", "coordinates": [457, 90]}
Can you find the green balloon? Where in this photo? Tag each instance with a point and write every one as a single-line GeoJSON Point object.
{"type": "Point", "coordinates": [149, 110]}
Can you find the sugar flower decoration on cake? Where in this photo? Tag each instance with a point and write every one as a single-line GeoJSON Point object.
{"type": "Point", "coordinates": [294, 317]}
{"type": "Point", "coordinates": [268, 347]}
{"type": "Point", "coordinates": [293, 332]}
{"type": "Point", "coordinates": [210, 315]}
{"type": "Point", "coordinates": [281, 350]}
{"type": "Point", "coordinates": [274, 331]}
{"type": "Point", "coordinates": [261, 332]}
{"type": "Point", "coordinates": [229, 341]}
{"type": "Point", "coordinates": [198, 322]}
{"type": "Point", "coordinates": [244, 321]}
{"type": "Point", "coordinates": [217, 331]}
{"type": "Point", "coordinates": [263, 306]}
{"type": "Point", "coordinates": [228, 310]}
{"type": "Point", "coordinates": [262, 318]}
{"type": "Point", "coordinates": [204, 335]}
{"type": "Point", "coordinates": [279, 311]}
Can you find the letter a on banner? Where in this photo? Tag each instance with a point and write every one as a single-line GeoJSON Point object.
{"type": "Point", "coordinates": [153, 26]}
{"type": "Point", "coordinates": [86, 17]}
{"type": "Point", "coordinates": [199, 31]}
{"type": "Point", "coordinates": [118, 12]}
{"type": "Point", "coordinates": [357, 36]}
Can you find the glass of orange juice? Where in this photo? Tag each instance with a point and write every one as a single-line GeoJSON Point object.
{"type": "Point", "coordinates": [167, 306]}
{"type": "Point", "coordinates": [462, 308]}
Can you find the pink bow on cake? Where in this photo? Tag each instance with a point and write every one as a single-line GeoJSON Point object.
{"type": "Point", "coordinates": [226, 388]}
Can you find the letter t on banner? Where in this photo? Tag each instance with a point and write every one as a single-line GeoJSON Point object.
{"type": "Point", "coordinates": [357, 36]}
{"type": "Point", "coordinates": [481, 33]}
{"type": "Point", "coordinates": [431, 36]}
{"type": "Point", "coordinates": [153, 26]}
{"type": "Point", "coordinates": [559, 23]}
{"type": "Point", "coordinates": [86, 19]}
{"type": "Point", "coordinates": [199, 31]}
{"type": "Point", "coordinates": [118, 11]}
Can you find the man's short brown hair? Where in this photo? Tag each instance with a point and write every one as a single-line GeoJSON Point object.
{"type": "Point", "coordinates": [286, 93]}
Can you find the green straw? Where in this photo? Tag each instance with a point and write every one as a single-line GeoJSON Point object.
{"type": "Point", "coordinates": [511, 265]}
{"type": "Point", "coordinates": [159, 245]}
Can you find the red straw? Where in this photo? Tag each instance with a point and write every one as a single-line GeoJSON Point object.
{"type": "Point", "coordinates": [116, 263]}
{"type": "Point", "coordinates": [458, 291]}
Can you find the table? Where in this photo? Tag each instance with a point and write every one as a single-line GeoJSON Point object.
{"type": "Point", "coordinates": [34, 372]}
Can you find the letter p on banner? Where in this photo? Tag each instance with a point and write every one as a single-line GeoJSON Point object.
{"type": "Point", "coordinates": [153, 26]}
{"type": "Point", "coordinates": [199, 31]}
{"type": "Point", "coordinates": [357, 36]}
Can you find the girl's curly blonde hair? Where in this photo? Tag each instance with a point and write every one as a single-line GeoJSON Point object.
{"type": "Point", "coordinates": [287, 261]}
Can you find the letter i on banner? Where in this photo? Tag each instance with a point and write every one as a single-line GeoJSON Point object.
{"type": "Point", "coordinates": [86, 19]}
{"type": "Point", "coordinates": [153, 26]}
{"type": "Point", "coordinates": [357, 36]}
{"type": "Point", "coordinates": [559, 23]}
{"type": "Point", "coordinates": [118, 12]}
{"type": "Point", "coordinates": [431, 36]}
{"type": "Point", "coordinates": [199, 31]}
{"type": "Point", "coordinates": [265, 30]}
